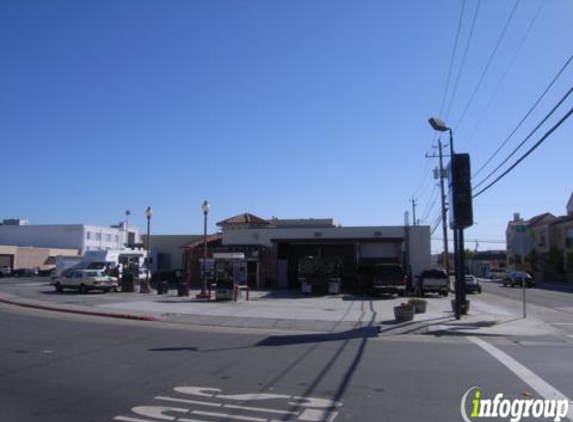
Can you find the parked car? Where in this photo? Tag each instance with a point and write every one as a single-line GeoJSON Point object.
{"type": "Point", "coordinates": [432, 281]}
{"type": "Point", "coordinates": [496, 274]}
{"type": "Point", "coordinates": [5, 271]}
{"type": "Point", "coordinates": [384, 278]}
{"type": "Point", "coordinates": [517, 278]}
{"type": "Point", "coordinates": [84, 281]}
{"type": "Point", "coordinates": [472, 284]}
{"type": "Point", "coordinates": [25, 272]}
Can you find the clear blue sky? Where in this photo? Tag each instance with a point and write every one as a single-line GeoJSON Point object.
{"type": "Point", "coordinates": [279, 108]}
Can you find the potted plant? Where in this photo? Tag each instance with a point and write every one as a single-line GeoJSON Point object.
{"type": "Point", "coordinates": [419, 305]}
{"type": "Point", "coordinates": [404, 312]}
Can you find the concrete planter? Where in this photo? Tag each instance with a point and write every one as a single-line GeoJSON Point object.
{"type": "Point", "coordinates": [306, 287]}
{"type": "Point", "coordinates": [419, 305]}
{"type": "Point", "coordinates": [403, 313]}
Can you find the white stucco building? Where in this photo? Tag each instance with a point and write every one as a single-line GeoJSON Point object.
{"type": "Point", "coordinates": [81, 237]}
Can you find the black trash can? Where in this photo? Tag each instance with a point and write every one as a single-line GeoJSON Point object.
{"type": "Point", "coordinates": [127, 283]}
{"type": "Point", "coordinates": [162, 288]}
{"type": "Point", "coordinates": [182, 289]}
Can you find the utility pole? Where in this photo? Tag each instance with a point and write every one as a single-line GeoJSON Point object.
{"type": "Point", "coordinates": [414, 212]}
{"type": "Point", "coordinates": [444, 212]}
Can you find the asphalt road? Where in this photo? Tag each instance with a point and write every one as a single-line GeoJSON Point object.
{"type": "Point", "coordinates": [56, 367]}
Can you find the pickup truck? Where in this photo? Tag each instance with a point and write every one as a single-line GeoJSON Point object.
{"type": "Point", "coordinates": [384, 278]}
{"type": "Point", "coordinates": [432, 281]}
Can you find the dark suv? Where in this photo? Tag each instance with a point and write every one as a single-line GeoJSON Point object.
{"type": "Point", "coordinates": [384, 279]}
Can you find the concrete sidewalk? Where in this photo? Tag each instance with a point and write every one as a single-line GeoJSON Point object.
{"type": "Point", "coordinates": [283, 310]}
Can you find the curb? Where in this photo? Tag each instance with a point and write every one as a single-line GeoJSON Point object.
{"type": "Point", "coordinates": [80, 311]}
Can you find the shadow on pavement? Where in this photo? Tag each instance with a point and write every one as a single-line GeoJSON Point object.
{"type": "Point", "coordinates": [356, 333]}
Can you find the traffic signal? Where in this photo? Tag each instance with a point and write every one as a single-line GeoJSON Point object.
{"type": "Point", "coordinates": [460, 192]}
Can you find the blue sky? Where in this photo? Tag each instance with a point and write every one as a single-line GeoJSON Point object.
{"type": "Point", "coordinates": [279, 108]}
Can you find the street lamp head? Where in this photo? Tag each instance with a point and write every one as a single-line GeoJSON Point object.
{"type": "Point", "coordinates": [206, 207]}
{"type": "Point", "coordinates": [148, 212]}
{"type": "Point", "coordinates": [438, 124]}
{"type": "Point", "coordinates": [127, 212]}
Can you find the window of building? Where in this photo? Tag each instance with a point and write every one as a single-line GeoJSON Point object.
{"type": "Point", "coordinates": [542, 238]}
{"type": "Point", "coordinates": [88, 235]}
{"type": "Point", "coordinates": [569, 238]}
{"type": "Point", "coordinates": [108, 237]}
{"type": "Point", "coordinates": [98, 236]}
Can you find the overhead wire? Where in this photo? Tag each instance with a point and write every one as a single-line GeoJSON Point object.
{"type": "Point", "coordinates": [500, 82]}
{"type": "Point", "coordinates": [489, 62]}
{"type": "Point", "coordinates": [464, 57]}
{"type": "Point", "coordinates": [531, 109]}
{"type": "Point", "coordinates": [547, 116]}
{"type": "Point", "coordinates": [424, 178]}
{"type": "Point", "coordinates": [431, 203]}
{"type": "Point", "coordinates": [524, 156]}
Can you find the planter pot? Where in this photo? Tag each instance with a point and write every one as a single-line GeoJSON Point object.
{"type": "Point", "coordinates": [464, 309]}
{"type": "Point", "coordinates": [403, 314]}
{"type": "Point", "coordinates": [419, 306]}
{"type": "Point", "coordinates": [334, 287]}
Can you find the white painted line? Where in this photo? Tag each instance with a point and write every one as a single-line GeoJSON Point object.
{"type": "Point", "coordinates": [190, 420]}
{"type": "Point", "coordinates": [126, 419]}
{"type": "Point", "coordinates": [199, 403]}
{"type": "Point", "coordinates": [259, 409]}
{"type": "Point", "coordinates": [545, 390]}
{"type": "Point", "coordinates": [227, 416]}
{"type": "Point", "coordinates": [316, 415]}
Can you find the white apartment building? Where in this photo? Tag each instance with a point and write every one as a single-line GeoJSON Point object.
{"type": "Point", "coordinates": [81, 237]}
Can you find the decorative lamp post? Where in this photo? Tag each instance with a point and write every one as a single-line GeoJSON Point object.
{"type": "Point", "coordinates": [127, 213]}
{"type": "Point", "coordinates": [205, 207]}
{"type": "Point", "coordinates": [145, 288]}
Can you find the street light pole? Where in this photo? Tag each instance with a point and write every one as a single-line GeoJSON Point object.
{"type": "Point", "coordinates": [148, 214]}
{"type": "Point", "coordinates": [205, 207]}
{"type": "Point", "coordinates": [458, 232]}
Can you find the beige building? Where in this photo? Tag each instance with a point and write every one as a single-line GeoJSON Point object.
{"type": "Point", "coordinates": [18, 257]}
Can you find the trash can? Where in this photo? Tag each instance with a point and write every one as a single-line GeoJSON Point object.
{"type": "Point", "coordinates": [162, 288]}
{"type": "Point", "coordinates": [182, 289]}
{"type": "Point", "coordinates": [127, 283]}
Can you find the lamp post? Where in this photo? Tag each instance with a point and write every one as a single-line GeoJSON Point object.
{"type": "Point", "coordinates": [458, 233]}
{"type": "Point", "coordinates": [205, 207]}
{"type": "Point", "coordinates": [146, 289]}
{"type": "Point", "coordinates": [127, 213]}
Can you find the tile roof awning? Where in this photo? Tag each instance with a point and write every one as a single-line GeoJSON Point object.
{"type": "Point", "coordinates": [244, 219]}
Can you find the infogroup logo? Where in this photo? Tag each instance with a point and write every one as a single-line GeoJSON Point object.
{"type": "Point", "coordinates": [513, 409]}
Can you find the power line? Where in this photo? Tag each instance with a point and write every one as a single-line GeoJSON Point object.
{"type": "Point", "coordinates": [527, 137]}
{"type": "Point", "coordinates": [463, 60]}
{"type": "Point", "coordinates": [452, 60]}
{"type": "Point", "coordinates": [526, 115]}
{"type": "Point", "coordinates": [490, 60]}
{"type": "Point", "coordinates": [506, 71]}
{"type": "Point", "coordinates": [427, 209]}
{"type": "Point", "coordinates": [524, 156]}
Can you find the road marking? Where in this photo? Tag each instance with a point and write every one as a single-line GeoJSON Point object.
{"type": "Point", "coordinates": [226, 416]}
{"type": "Point", "coordinates": [545, 390]}
{"type": "Point", "coordinates": [259, 409]}
{"type": "Point", "coordinates": [187, 401]}
{"type": "Point", "coordinates": [126, 419]}
{"type": "Point", "coordinates": [301, 409]}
